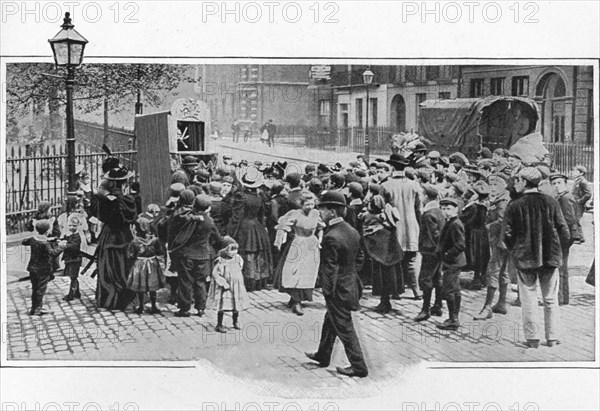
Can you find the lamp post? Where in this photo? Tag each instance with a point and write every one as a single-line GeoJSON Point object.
{"type": "Point", "coordinates": [67, 47]}
{"type": "Point", "coordinates": [367, 80]}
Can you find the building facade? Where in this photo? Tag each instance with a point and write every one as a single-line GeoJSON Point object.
{"type": "Point", "coordinates": [394, 95]}
{"type": "Point", "coordinates": [564, 95]}
{"type": "Point", "coordinates": [256, 92]}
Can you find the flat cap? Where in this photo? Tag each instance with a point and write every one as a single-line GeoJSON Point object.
{"type": "Point", "coordinates": [449, 201]}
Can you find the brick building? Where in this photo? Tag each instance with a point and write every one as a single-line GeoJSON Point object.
{"type": "Point", "coordinates": [256, 92]}
{"type": "Point", "coordinates": [564, 95]}
{"type": "Point", "coordinates": [394, 96]}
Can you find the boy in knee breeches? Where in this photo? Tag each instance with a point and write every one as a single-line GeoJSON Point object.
{"type": "Point", "coordinates": [40, 264]}
{"type": "Point", "coordinates": [451, 252]}
{"type": "Point", "coordinates": [72, 258]}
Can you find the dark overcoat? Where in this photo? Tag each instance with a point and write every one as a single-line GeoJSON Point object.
{"type": "Point", "coordinates": [534, 229]}
{"type": "Point", "coordinates": [452, 245]}
{"type": "Point", "coordinates": [341, 257]}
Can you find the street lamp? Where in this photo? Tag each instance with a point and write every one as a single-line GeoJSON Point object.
{"type": "Point", "coordinates": [367, 80]}
{"type": "Point", "coordinates": [67, 47]}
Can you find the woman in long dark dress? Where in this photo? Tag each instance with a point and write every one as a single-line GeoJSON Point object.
{"type": "Point", "coordinates": [473, 217]}
{"type": "Point", "coordinates": [117, 211]}
{"type": "Point", "coordinates": [247, 227]}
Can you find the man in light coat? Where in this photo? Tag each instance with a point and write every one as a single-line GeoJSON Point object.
{"type": "Point", "coordinates": [404, 194]}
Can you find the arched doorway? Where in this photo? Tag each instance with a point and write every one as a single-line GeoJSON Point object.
{"type": "Point", "coordinates": [552, 92]}
{"type": "Point", "coordinates": [398, 113]}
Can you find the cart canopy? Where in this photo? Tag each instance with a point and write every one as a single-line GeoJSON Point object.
{"type": "Point", "coordinates": [467, 124]}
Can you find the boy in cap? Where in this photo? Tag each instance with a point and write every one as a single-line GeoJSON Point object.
{"type": "Point", "coordinates": [192, 254]}
{"type": "Point", "coordinates": [40, 264]}
{"type": "Point", "coordinates": [534, 231]}
{"type": "Point", "coordinates": [431, 226]}
{"type": "Point", "coordinates": [568, 205]}
{"type": "Point", "coordinates": [497, 271]}
{"type": "Point", "coordinates": [451, 254]}
{"type": "Point", "coordinates": [581, 192]}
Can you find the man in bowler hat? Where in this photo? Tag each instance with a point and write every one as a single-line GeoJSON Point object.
{"type": "Point", "coordinates": [340, 255]}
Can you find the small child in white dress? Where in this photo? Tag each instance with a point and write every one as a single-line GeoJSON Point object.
{"type": "Point", "coordinates": [227, 291]}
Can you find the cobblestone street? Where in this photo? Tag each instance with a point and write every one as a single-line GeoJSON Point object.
{"type": "Point", "coordinates": [267, 354]}
{"type": "Point", "coordinates": [269, 350]}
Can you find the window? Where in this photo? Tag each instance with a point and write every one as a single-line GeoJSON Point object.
{"type": "Point", "coordinates": [411, 73]}
{"type": "Point", "coordinates": [359, 112]}
{"type": "Point", "coordinates": [432, 72]}
{"type": "Point", "coordinates": [324, 107]}
{"type": "Point", "coordinates": [558, 129]}
{"type": "Point", "coordinates": [476, 87]}
{"type": "Point", "coordinates": [324, 112]}
{"type": "Point", "coordinates": [444, 95]}
{"type": "Point", "coordinates": [420, 97]}
{"type": "Point", "coordinates": [497, 86]}
{"type": "Point", "coordinates": [373, 114]}
{"type": "Point", "coordinates": [520, 86]}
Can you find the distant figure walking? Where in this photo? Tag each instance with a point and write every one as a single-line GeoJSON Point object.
{"type": "Point", "coordinates": [270, 129]}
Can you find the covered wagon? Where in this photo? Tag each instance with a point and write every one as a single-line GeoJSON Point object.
{"type": "Point", "coordinates": [468, 124]}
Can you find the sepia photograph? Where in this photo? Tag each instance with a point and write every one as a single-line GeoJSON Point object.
{"type": "Point", "coordinates": [297, 227]}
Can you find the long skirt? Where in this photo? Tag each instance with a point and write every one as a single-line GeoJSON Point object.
{"type": "Point", "coordinates": [257, 269]}
{"type": "Point", "coordinates": [146, 275]}
{"type": "Point", "coordinates": [298, 268]}
{"type": "Point", "coordinates": [478, 250]}
{"type": "Point", "coordinates": [113, 268]}
{"type": "Point", "coordinates": [387, 280]}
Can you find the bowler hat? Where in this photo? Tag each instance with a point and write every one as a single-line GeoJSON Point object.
{"type": "Point", "coordinates": [449, 201]}
{"type": "Point", "coordinates": [420, 146]}
{"type": "Point", "coordinates": [398, 161]}
{"type": "Point", "coordinates": [323, 168]}
{"type": "Point", "coordinates": [333, 198]}
{"type": "Point", "coordinates": [189, 161]}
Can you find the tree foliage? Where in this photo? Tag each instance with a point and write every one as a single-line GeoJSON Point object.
{"type": "Point", "coordinates": [36, 86]}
